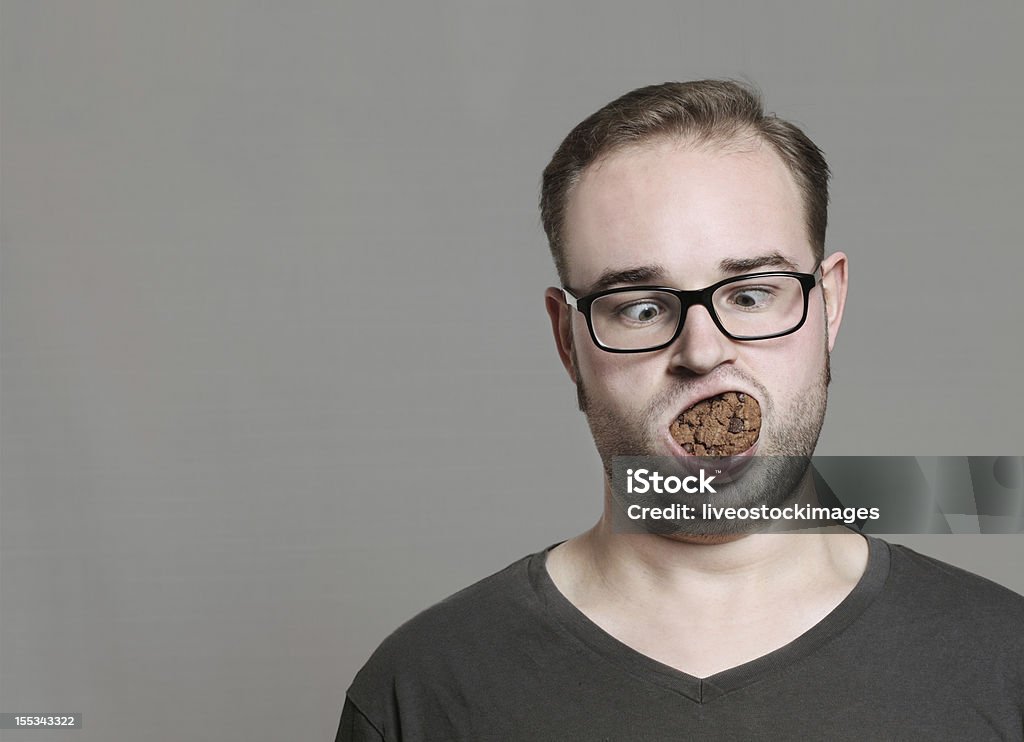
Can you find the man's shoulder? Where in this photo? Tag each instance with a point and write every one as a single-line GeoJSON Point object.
{"type": "Point", "coordinates": [908, 564]}
{"type": "Point", "coordinates": [937, 592]}
{"type": "Point", "coordinates": [473, 607]}
{"type": "Point", "coordinates": [440, 641]}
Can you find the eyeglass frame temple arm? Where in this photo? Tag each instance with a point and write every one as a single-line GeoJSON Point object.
{"type": "Point", "coordinates": [568, 297]}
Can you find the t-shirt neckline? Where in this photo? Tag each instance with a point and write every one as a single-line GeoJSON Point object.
{"type": "Point", "coordinates": [703, 690]}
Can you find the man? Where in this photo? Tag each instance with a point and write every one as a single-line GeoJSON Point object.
{"type": "Point", "coordinates": [688, 230]}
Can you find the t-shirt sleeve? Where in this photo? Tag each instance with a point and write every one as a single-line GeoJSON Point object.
{"type": "Point", "coordinates": [355, 727]}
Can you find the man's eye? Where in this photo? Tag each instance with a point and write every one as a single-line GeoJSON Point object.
{"type": "Point", "coordinates": [752, 298]}
{"type": "Point", "coordinates": [641, 311]}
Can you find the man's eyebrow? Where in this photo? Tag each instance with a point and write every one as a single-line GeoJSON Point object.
{"type": "Point", "coordinates": [636, 274]}
{"type": "Point", "coordinates": [655, 274]}
{"type": "Point", "coordinates": [769, 260]}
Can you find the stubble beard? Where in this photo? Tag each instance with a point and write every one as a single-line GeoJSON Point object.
{"type": "Point", "coordinates": [785, 446]}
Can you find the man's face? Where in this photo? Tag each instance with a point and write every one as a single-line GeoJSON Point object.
{"type": "Point", "coordinates": [686, 218]}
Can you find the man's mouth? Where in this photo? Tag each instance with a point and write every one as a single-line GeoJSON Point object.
{"type": "Point", "coordinates": [727, 424]}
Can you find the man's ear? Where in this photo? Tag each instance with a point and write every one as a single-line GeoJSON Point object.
{"type": "Point", "coordinates": [834, 279]}
{"type": "Point", "coordinates": [560, 315]}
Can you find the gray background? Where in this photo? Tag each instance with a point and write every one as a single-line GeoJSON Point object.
{"type": "Point", "coordinates": [276, 370]}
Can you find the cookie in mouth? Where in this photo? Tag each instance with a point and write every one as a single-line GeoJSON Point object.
{"type": "Point", "coordinates": [724, 425]}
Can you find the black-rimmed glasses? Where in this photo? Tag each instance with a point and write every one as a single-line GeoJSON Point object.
{"type": "Point", "coordinates": [639, 319]}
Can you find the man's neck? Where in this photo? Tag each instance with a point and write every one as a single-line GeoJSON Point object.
{"type": "Point", "coordinates": [670, 563]}
{"type": "Point", "coordinates": [743, 597]}
{"type": "Point", "coordinates": [640, 564]}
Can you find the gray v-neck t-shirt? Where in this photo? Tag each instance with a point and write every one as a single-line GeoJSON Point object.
{"type": "Point", "coordinates": [919, 650]}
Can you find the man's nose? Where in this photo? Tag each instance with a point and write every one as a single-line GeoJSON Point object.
{"type": "Point", "coordinates": [701, 347]}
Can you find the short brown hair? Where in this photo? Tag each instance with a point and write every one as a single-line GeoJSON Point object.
{"type": "Point", "coordinates": [701, 112]}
